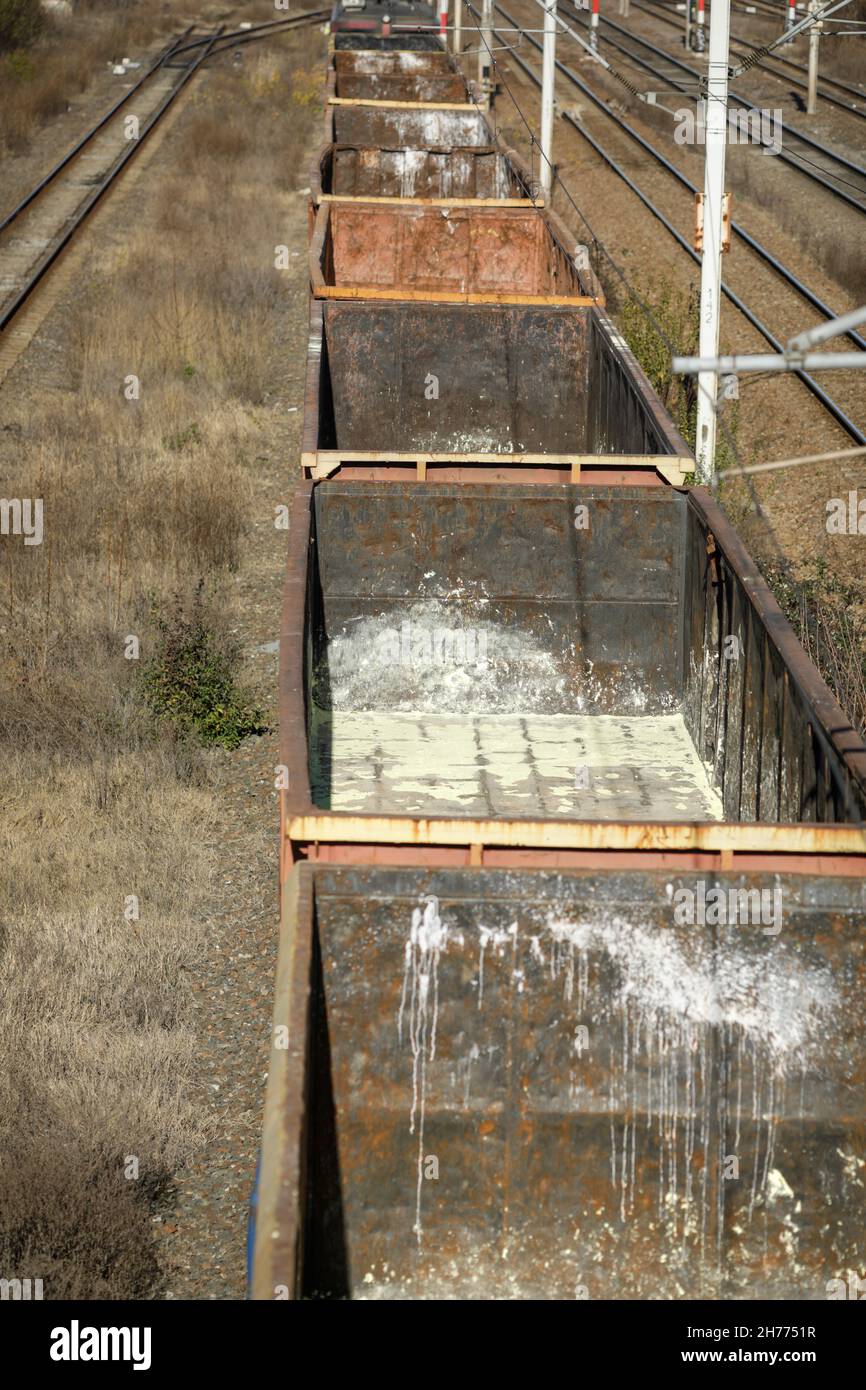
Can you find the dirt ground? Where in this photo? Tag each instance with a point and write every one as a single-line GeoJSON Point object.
{"type": "Point", "coordinates": [159, 1039]}
{"type": "Point", "coordinates": [775, 418]}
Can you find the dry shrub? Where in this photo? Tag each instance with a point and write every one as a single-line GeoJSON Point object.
{"type": "Point", "coordinates": [86, 1235]}
{"type": "Point", "coordinates": [101, 1064]}
{"type": "Point", "coordinates": [829, 617]}
{"type": "Point", "coordinates": [142, 497]}
{"type": "Point", "coordinates": [51, 69]}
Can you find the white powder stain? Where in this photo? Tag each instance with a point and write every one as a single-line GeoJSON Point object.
{"type": "Point", "coordinates": [771, 1012]}
{"type": "Point", "coordinates": [670, 1006]}
{"type": "Point", "coordinates": [511, 765]}
{"type": "Point", "coordinates": [505, 669]}
{"type": "Point", "coordinates": [428, 938]}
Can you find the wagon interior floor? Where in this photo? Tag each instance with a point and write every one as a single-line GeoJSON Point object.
{"type": "Point", "coordinates": [591, 767]}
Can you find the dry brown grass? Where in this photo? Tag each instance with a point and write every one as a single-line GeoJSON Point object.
{"type": "Point", "coordinates": [142, 498]}
{"type": "Point", "coordinates": [37, 81]}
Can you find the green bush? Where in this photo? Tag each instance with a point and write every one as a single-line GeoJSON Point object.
{"type": "Point", "coordinates": [20, 22]}
{"type": "Point", "coordinates": [676, 312]}
{"type": "Point", "coordinates": [189, 683]}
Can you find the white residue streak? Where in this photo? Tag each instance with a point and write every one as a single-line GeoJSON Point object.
{"type": "Point", "coordinates": [498, 939]}
{"type": "Point", "coordinates": [676, 999]}
{"type": "Point", "coordinates": [427, 940]}
{"type": "Point", "coordinates": [672, 1018]}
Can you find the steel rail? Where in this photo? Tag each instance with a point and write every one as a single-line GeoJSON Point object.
{"type": "Point", "coordinates": [173, 50]}
{"type": "Point", "coordinates": [749, 241]}
{"type": "Point", "coordinates": [659, 11]}
{"type": "Point", "coordinates": [207, 44]}
{"type": "Point", "coordinates": [260, 31]}
{"type": "Point", "coordinates": [11, 309]}
{"type": "Point", "coordinates": [754, 245]}
{"type": "Point", "coordinates": [819, 176]}
{"type": "Point", "coordinates": [157, 63]}
{"type": "Point", "coordinates": [832, 407]}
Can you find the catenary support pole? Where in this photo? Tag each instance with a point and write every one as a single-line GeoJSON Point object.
{"type": "Point", "coordinates": [700, 36]}
{"type": "Point", "coordinates": [711, 262]}
{"type": "Point", "coordinates": [593, 27]}
{"type": "Point", "coordinates": [458, 26]}
{"type": "Point", "coordinates": [485, 50]}
{"type": "Point", "coordinates": [814, 40]}
{"type": "Point", "coordinates": [548, 77]}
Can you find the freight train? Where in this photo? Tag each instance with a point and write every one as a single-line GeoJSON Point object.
{"type": "Point", "coordinates": [364, 23]}
{"type": "Point", "coordinates": [572, 846]}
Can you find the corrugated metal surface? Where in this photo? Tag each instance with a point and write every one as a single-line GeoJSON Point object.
{"type": "Point", "coordinates": [391, 127]}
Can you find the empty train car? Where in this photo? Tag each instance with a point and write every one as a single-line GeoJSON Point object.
{"type": "Point", "coordinates": [573, 835]}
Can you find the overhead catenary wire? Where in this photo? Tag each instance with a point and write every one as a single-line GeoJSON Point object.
{"type": "Point", "coordinates": [835, 183]}
{"type": "Point", "coordinates": [632, 291]}
{"type": "Point", "coordinates": [817, 390]}
{"type": "Point", "coordinates": [742, 472]}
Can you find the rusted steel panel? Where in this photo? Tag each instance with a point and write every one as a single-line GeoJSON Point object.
{"type": "Point", "coordinates": [605, 857]}
{"type": "Point", "coordinates": [367, 38]}
{"type": "Point", "coordinates": [376, 64]}
{"type": "Point", "coordinates": [567, 597]}
{"type": "Point", "coordinates": [398, 76]}
{"type": "Point", "coordinates": [397, 86]}
{"type": "Point", "coordinates": [792, 753]}
{"type": "Point", "coordinates": [284, 1176]}
{"type": "Point", "coordinates": [351, 171]}
{"type": "Point", "coordinates": [549, 1085]}
{"type": "Point", "coordinates": [509, 380]}
{"type": "Point", "coordinates": [623, 404]}
{"type": "Point", "coordinates": [770, 798]}
{"type": "Point", "coordinates": [394, 127]}
{"type": "Point", "coordinates": [735, 704]}
{"type": "Point", "coordinates": [779, 684]}
{"type": "Point", "coordinates": [476, 250]}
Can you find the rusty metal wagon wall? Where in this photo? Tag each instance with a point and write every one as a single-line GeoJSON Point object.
{"type": "Point", "coordinates": [539, 386]}
{"type": "Point", "coordinates": [352, 171]}
{"type": "Point", "coordinates": [397, 76]}
{"type": "Point", "coordinates": [577, 662]}
{"type": "Point", "coordinates": [451, 252]}
{"type": "Point", "coordinates": [446, 125]}
{"type": "Point", "coordinates": [522, 1084]}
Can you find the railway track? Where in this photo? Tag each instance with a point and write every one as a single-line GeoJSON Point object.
{"type": "Point", "coordinates": [831, 89]}
{"type": "Point", "coordinates": [840, 176]}
{"type": "Point", "coordinates": [832, 407]}
{"type": "Point", "coordinates": [34, 233]}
